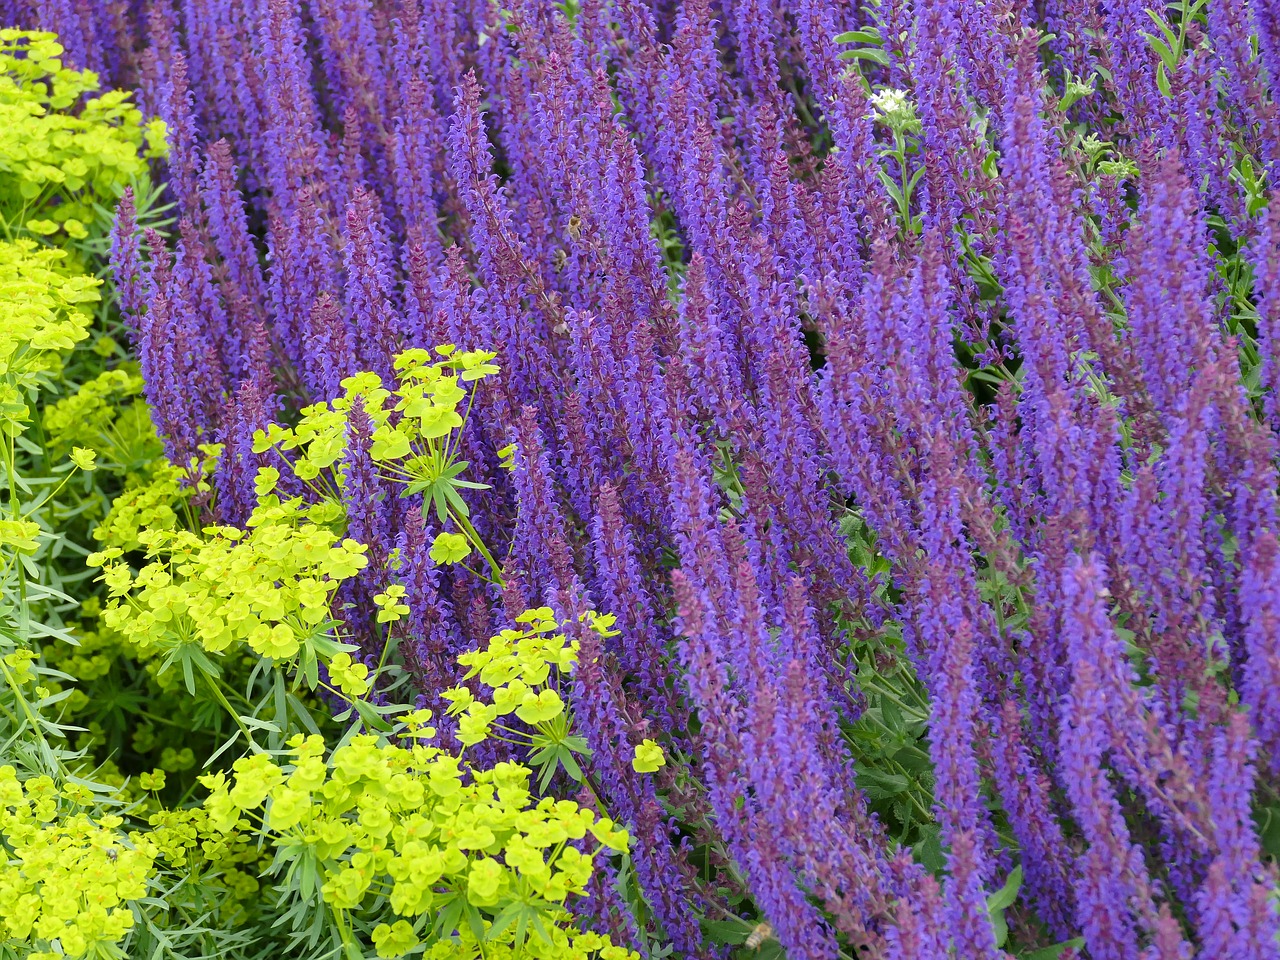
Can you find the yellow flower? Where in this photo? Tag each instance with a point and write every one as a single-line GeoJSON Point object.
{"type": "Point", "coordinates": [648, 757]}
{"type": "Point", "coordinates": [395, 940]}
{"type": "Point", "coordinates": [450, 548]}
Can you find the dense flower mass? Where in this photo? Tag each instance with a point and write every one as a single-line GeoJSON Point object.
{"type": "Point", "coordinates": [898, 381]}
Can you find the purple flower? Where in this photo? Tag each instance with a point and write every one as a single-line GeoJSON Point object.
{"type": "Point", "coordinates": [177, 108]}
{"type": "Point", "coordinates": [177, 359]}
{"type": "Point", "coordinates": [250, 410]}
{"type": "Point", "coordinates": [126, 261]}
{"type": "Point", "coordinates": [238, 270]}
{"type": "Point", "coordinates": [1114, 891]}
{"type": "Point", "coordinates": [371, 285]}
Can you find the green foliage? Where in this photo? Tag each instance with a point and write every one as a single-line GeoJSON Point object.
{"type": "Point", "coordinates": [869, 45]}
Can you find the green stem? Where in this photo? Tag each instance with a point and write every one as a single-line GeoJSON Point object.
{"type": "Point", "coordinates": [226, 704]}
{"type": "Point", "coordinates": [474, 537]}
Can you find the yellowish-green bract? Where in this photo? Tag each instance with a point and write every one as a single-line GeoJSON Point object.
{"type": "Point", "coordinates": [62, 151]}
{"type": "Point", "coordinates": [415, 432]}
{"type": "Point", "coordinates": [413, 823]}
{"type": "Point", "coordinates": [42, 315]}
{"type": "Point", "coordinates": [70, 878]}
{"type": "Point", "coordinates": [270, 586]}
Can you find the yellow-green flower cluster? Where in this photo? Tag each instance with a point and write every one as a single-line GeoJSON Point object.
{"type": "Point", "coordinates": [155, 501]}
{"type": "Point", "coordinates": [416, 825]}
{"type": "Point", "coordinates": [50, 150]}
{"type": "Point", "coordinates": [408, 424]}
{"type": "Point", "coordinates": [41, 315]}
{"type": "Point", "coordinates": [517, 665]}
{"type": "Point", "coordinates": [185, 839]}
{"type": "Point", "coordinates": [66, 879]}
{"type": "Point", "coordinates": [106, 415]}
{"type": "Point", "coordinates": [648, 757]}
{"type": "Point", "coordinates": [269, 587]}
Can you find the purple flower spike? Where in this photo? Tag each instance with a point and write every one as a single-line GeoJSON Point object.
{"type": "Point", "coordinates": [249, 410]}
{"type": "Point", "coordinates": [371, 285]}
{"type": "Point", "coordinates": [126, 261]}
{"type": "Point", "coordinates": [178, 110]}
{"type": "Point", "coordinates": [1114, 889]}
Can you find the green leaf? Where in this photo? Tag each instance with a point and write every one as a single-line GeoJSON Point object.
{"type": "Point", "coordinates": [868, 35]}
{"type": "Point", "coordinates": [506, 918]}
{"type": "Point", "coordinates": [880, 785]}
{"type": "Point", "coordinates": [255, 724]}
{"type": "Point", "coordinates": [372, 719]}
{"type": "Point", "coordinates": [1055, 951]}
{"type": "Point", "coordinates": [999, 927]}
{"type": "Point", "coordinates": [1171, 35]}
{"type": "Point", "coordinates": [547, 772]}
{"type": "Point", "coordinates": [1000, 901]}
{"type": "Point", "coordinates": [475, 920]}
{"type": "Point", "coordinates": [728, 932]}
{"type": "Point", "coordinates": [447, 919]}
{"type": "Point", "coordinates": [1004, 898]}
{"type": "Point", "coordinates": [873, 54]}
{"type": "Point", "coordinates": [928, 849]}
{"type": "Point", "coordinates": [570, 765]}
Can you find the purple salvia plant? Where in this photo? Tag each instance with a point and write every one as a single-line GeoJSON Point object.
{"type": "Point", "coordinates": [176, 361]}
{"type": "Point", "coordinates": [249, 409]}
{"type": "Point", "coordinates": [511, 284]}
{"type": "Point", "coordinates": [372, 514]}
{"type": "Point", "coordinates": [1246, 85]}
{"type": "Point", "coordinates": [800, 928]}
{"type": "Point", "coordinates": [303, 267]}
{"type": "Point", "coordinates": [1114, 890]}
{"type": "Point", "coordinates": [237, 270]}
{"type": "Point", "coordinates": [371, 285]}
{"type": "Point", "coordinates": [1131, 63]}
{"type": "Point", "coordinates": [126, 261]}
{"type": "Point", "coordinates": [1265, 16]}
{"type": "Point", "coordinates": [1232, 925]}
{"type": "Point", "coordinates": [431, 640]}
{"type": "Point", "coordinates": [1265, 257]}
{"type": "Point", "coordinates": [296, 150]}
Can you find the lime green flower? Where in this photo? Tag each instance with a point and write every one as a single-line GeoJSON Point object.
{"type": "Point", "coordinates": [390, 605]}
{"type": "Point", "coordinates": [450, 548]}
{"type": "Point", "coordinates": [395, 940]}
{"type": "Point", "coordinates": [648, 757]}
{"type": "Point", "coordinates": [84, 458]}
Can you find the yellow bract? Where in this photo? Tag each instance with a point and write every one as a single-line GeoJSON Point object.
{"type": "Point", "coordinates": [58, 145]}
{"type": "Point", "coordinates": [269, 587]}
{"type": "Point", "coordinates": [416, 824]}
{"type": "Point", "coordinates": [41, 317]}
{"type": "Point", "coordinates": [70, 877]}
{"type": "Point", "coordinates": [648, 757]}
